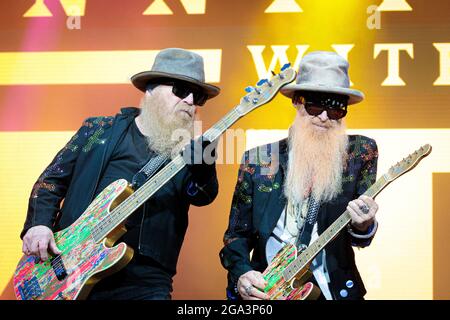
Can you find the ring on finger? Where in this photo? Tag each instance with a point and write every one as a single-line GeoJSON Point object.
{"type": "Point", "coordinates": [364, 208]}
{"type": "Point", "coordinates": [248, 290]}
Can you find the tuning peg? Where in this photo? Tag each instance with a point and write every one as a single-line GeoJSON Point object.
{"type": "Point", "coordinates": [258, 91]}
{"type": "Point", "coordinates": [261, 82]}
{"type": "Point", "coordinates": [249, 89]}
{"type": "Point", "coordinates": [285, 66]}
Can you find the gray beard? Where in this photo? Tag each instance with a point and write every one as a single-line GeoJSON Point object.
{"type": "Point", "coordinates": [166, 133]}
{"type": "Point", "coordinates": [315, 164]}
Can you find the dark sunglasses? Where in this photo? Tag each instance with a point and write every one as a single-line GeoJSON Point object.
{"type": "Point", "coordinates": [182, 90]}
{"type": "Point", "coordinates": [334, 104]}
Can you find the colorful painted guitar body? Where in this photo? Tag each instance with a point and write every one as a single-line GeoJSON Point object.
{"type": "Point", "coordinates": [278, 288]}
{"type": "Point", "coordinates": [87, 248]}
{"type": "Point", "coordinates": [83, 261]}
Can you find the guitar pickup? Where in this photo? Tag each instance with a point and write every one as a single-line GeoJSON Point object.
{"type": "Point", "coordinates": [59, 268]}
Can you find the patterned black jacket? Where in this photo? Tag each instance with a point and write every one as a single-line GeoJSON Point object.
{"type": "Point", "coordinates": [73, 176]}
{"type": "Point", "coordinates": [258, 202]}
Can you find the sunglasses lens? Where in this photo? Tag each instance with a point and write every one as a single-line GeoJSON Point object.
{"type": "Point", "coordinates": [182, 91]}
{"type": "Point", "coordinates": [314, 110]}
{"type": "Point", "coordinates": [335, 114]}
{"type": "Point", "coordinates": [200, 98]}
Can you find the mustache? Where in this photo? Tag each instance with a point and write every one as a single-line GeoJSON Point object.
{"type": "Point", "coordinates": [182, 106]}
{"type": "Point", "coordinates": [327, 124]}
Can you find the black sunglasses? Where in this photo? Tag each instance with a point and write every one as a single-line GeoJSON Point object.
{"type": "Point", "coordinates": [334, 104]}
{"type": "Point", "coordinates": [182, 90]}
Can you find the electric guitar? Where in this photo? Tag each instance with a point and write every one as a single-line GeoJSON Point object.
{"type": "Point", "coordinates": [88, 245]}
{"type": "Point", "coordinates": [288, 273]}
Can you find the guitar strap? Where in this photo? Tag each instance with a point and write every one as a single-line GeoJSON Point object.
{"type": "Point", "coordinates": [304, 237]}
{"type": "Point", "coordinates": [147, 171]}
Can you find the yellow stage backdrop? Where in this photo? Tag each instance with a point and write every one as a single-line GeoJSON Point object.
{"type": "Point", "coordinates": [64, 60]}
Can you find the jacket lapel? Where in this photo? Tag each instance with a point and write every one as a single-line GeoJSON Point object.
{"type": "Point", "coordinates": [271, 204]}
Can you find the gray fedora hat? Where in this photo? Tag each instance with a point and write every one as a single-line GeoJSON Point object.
{"type": "Point", "coordinates": [323, 71]}
{"type": "Point", "coordinates": [176, 63]}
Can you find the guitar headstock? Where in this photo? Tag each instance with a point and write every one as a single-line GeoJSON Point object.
{"type": "Point", "coordinates": [408, 163]}
{"type": "Point", "coordinates": [265, 90]}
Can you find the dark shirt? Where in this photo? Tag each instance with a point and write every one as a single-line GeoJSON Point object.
{"type": "Point", "coordinates": [130, 155]}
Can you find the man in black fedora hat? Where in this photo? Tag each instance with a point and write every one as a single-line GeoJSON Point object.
{"type": "Point", "coordinates": [106, 149]}
{"type": "Point", "coordinates": [290, 191]}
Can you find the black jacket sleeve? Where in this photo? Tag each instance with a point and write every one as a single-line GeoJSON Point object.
{"type": "Point", "coordinates": [51, 187]}
{"type": "Point", "coordinates": [202, 191]}
{"type": "Point", "coordinates": [235, 255]}
{"type": "Point", "coordinates": [366, 178]}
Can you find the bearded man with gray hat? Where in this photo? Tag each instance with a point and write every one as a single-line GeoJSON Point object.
{"type": "Point", "coordinates": [290, 191]}
{"type": "Point", "coordinates": [106, 149]}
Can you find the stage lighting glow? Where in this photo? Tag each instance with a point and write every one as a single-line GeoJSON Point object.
{"type": "Point", "coordinates": [281, 6]}
{"type": "Point", "coordinates": [74, 8]}
{"type": "Point", "coordinates": [88, 67]}
{"type": "Point", "coordinates": [158, 7]}
{"type": "Point", "coordinates": [394, 5]}
{"type": "Point", "coordinates": [194, 6]}
{"type": "Point", "coordinates": [38, 9]}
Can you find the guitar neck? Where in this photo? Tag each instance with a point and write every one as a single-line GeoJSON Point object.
{"type": "Point", "coordinates": [307, 256]}
{"type": "Point", "coordinates": [135, 200]}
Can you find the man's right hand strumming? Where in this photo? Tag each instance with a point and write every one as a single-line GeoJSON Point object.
{"type": "Point", "coordinates": [251, 286]}
{"type": "Point", "coordinates": [38, 241]}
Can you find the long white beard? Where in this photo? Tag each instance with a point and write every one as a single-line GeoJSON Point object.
{"type": "Point", "coordinates": [316, 161]}
{"type": "Point", "coordinates": [166, 132]}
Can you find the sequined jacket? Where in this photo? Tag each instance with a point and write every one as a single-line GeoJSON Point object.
{"type": "Point", "coordinates": [75, 172]}
{"type": "Point", "coordinates": [258, 202]}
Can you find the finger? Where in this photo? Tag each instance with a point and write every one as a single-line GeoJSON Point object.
{"type": "Point", "coordinates": [365, 217]}
{"type": "Point", "coordinates": [259, 294]}
{"type": "Point", "coordinates": [360, 203]}
{"type": "Point", "coordinates": [27, 241]}
{"type": "Point", "coordinates": [368, 200]}
{"type": "Point", "coordinates": [43, 247]}
{"type": "Point", "coordinates": [253, 298]}
{"type": "Point", "coordinates": [54, 249]}
{"type": "Point", "coordinates": [258, 280]}
{"type": "Point", "coordinates": [362, 208]}
{"type": "Point", "coordinates": [243, 292]}
{"type": "Point", "coordinates": [34, 251]}
{"type": "Point", "coordinates": [355, 207]}
{"type": "Point", "coordinates": [356, 218]}
{"type": "Point", "coordinates": [25, 249]}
